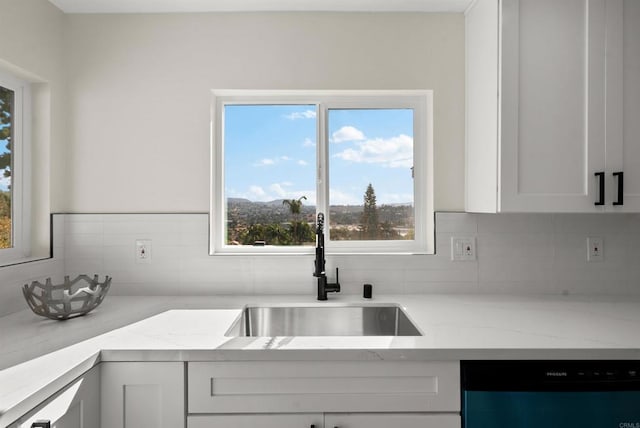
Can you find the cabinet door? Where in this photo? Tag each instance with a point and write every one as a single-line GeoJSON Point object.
{"type": "Point", "coordinates": [76, 406]}
{"type": "Point", "coordinates": [148, 394]}
{"type": "Point", "coordinates": [391, 420]}
{"type": "Point", "coordinates": [623, 102]}
{"type": "Point", "coordinates": [302, 420]}
{"type": "Point", "coordinates": [323, 386]}
{"type": "Point", "coordinates": [552, 105]}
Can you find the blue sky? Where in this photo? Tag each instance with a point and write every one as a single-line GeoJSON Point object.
{"type": "Point", "coordinates": [270, 153]}
{"type": "Point", "coordinates": [5, 182]}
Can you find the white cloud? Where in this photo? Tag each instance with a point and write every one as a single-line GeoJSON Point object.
{"type": "Point", "coordinates": [395, 152]}
{"type": "Point", "coordinates": [278, 190]}
{"type": "Point", "coordinates": [307, 114]}
{"type": "Point", "coordinates": [395, 198]}
{"type": "Point", "coordinates": [308, 143]}
{"type": "Point", "coordinates": [274, 191]}
{"type": "Point", "coordinates": [302, 162]}
{"type": "Point", "coordinates": [285, 158]}
{"type": "Point", "coordinates": [264, 162]}
{"type": "Point", "coordinates": [339, 197]}
{"type": "Point", "coordinates": [257, 192]}
{"type": "Point", "coordinates": [347, 133]}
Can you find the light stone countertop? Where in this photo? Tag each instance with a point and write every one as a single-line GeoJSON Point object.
{"type": "Point", "coordinates": [39, 356]}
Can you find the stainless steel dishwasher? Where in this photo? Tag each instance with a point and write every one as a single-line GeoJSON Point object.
{"type": "Point", "coordinates": [550, 394]}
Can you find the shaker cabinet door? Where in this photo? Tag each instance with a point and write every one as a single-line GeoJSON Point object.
{"type": "Point", "coordinates": [536, 133]}
{"type": "Point", "coordinates": [623, 105]}
{"type": "Point", "coordinates": [142, 394]}
{"type": "Point", "coordinates": [552, 105]}
{"type": "Point", "coordinates": [75, 406]}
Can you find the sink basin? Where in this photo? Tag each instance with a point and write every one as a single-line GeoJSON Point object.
{"type": "Point", "coordinates": [370, 320]}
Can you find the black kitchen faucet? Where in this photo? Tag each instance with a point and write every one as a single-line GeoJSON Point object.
{"type": "Point", "coordinates": [324, 287]}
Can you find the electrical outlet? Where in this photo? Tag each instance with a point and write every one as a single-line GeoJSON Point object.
{"type": "Point", "coordinates": [463, 249]}
{"type": "Point", "coordinates": [595, 249]}
{"type": "Point", "coordinates": [143, 251]}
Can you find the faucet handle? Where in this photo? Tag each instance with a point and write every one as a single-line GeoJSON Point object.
{"type": "Point", "coordinates": [336, 286]}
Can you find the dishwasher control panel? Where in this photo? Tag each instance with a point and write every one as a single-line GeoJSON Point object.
{"type": "Point", "coordinates": [541, 375]}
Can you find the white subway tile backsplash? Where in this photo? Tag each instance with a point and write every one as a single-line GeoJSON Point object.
{"type": "Point", "coordinates": [84, 227]}
{"type": "Point", "coordinates": [87, 266]}
{"type": "Point", "coordinates": [516, 253]}
{"type": "Point", "coordinates": [456, 223]}
{"type": "Point", "coordinates": [420, 287]}
{"type": "Point", "coordinates": [492, 224]}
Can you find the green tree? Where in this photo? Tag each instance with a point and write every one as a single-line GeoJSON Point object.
{"type": "Point", "coordinates": [295, 205]}
{"type": "Point", "coordinates": [275, 234]}
{"type": "Point", "coordinates": [388, 232]}
{"type": "Point", "coordinates": [300, 231]}
{"type": "Point", "coordinates": [6, 129]}
{"type": "Point", "coordinates": [6, 136]}
{"type": "Point", "coordinates": [369, 220]}
{"type": "Point", "coordinates": [5, 204]}
{"type": "Point", "coordinates": [252, 234]}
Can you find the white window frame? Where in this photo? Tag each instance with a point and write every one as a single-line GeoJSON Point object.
{"type": "Point", "coordinates": [421, 101]}
{"type": "Point", "coordinates": [20, 172]}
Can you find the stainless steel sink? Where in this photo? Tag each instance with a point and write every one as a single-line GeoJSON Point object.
{"type": "Point", "coordinates": [347, 320]}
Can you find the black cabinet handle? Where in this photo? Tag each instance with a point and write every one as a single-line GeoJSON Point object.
{"type": "Point", "coordinates": [620, 176]}
{"type": "Point", "coordinates": [600, 176]}
{"type": "Point", "coordinates": [41, 424]}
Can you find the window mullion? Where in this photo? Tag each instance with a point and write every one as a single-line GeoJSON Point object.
{"type": "Point", "coordinates": [322, 186]}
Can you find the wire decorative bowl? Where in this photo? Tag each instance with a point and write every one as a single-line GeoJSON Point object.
{"type": "Point", "coordinates": [71, 299]}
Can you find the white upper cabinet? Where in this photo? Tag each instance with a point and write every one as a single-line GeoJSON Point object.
{"type": "Point", "coordinates": [623, 102]}
{"type": "Point", "coordinates": [546, 119]}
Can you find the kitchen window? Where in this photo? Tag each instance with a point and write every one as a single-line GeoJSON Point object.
{"type": "Point", "coordinates": [363, 158]}
{"type": "Point", "coordinates": [14, 123]}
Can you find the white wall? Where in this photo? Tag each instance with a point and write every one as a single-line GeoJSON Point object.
{"type": "Point", "coordinates": [139, 89]}
{"type": "Point", "coordinates": [516, 253]}
{"type": "Point", "coordinates": [31, 46]}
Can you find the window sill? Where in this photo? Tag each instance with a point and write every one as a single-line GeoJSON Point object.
{"type": "Point", "coordinates": [327, 253]}
{"type": "Point", "coordinates": [5, 264]}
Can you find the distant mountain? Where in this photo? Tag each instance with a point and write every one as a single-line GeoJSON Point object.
{"type": "Point", "coordinates": [242, 210]}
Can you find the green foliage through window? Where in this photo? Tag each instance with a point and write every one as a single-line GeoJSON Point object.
{"type": "Point", "coordinates": [6, 138]}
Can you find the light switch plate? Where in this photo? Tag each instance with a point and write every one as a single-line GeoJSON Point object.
{"type": "Point", "coordinates": [463, 248]}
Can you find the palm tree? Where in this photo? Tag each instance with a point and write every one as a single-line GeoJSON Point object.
{"type": "Point", "coordinates": [295, 205]}
{"type": "Point", "coordinates": [277, 235]}
{"type": "Point", "coordinates": [300, 231]}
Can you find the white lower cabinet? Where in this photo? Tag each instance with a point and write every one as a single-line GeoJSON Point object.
{"type": "Point", "coordinates": [292, 420]}
{"type": "Point", "coordinates": [391, 420]}
{"type": "Point", "coordinates": [324, 394]}
{"type": "Point", "coordinates": [75, 406]}
{"type": "Point", "coordinates": [142, 394]}
{"type": "Point", "coordinates": [329, 420]}
{"type": "Point", "coordinates": [323, 386]}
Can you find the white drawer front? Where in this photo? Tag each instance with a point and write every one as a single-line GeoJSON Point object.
{"type": "Point", "coordinates": [391, 420]}
{"type": "Point", "coordinates": [337, 386]}
{"type": "Point", "coordinates": [329, 420]}
{"type": "Point", "coordinates": [258, 420]}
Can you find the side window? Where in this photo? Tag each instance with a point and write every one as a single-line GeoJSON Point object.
{"type": "Point", "coordinates": [362, 158]}
{"type": "Point", "coordinates": [13, 121]}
